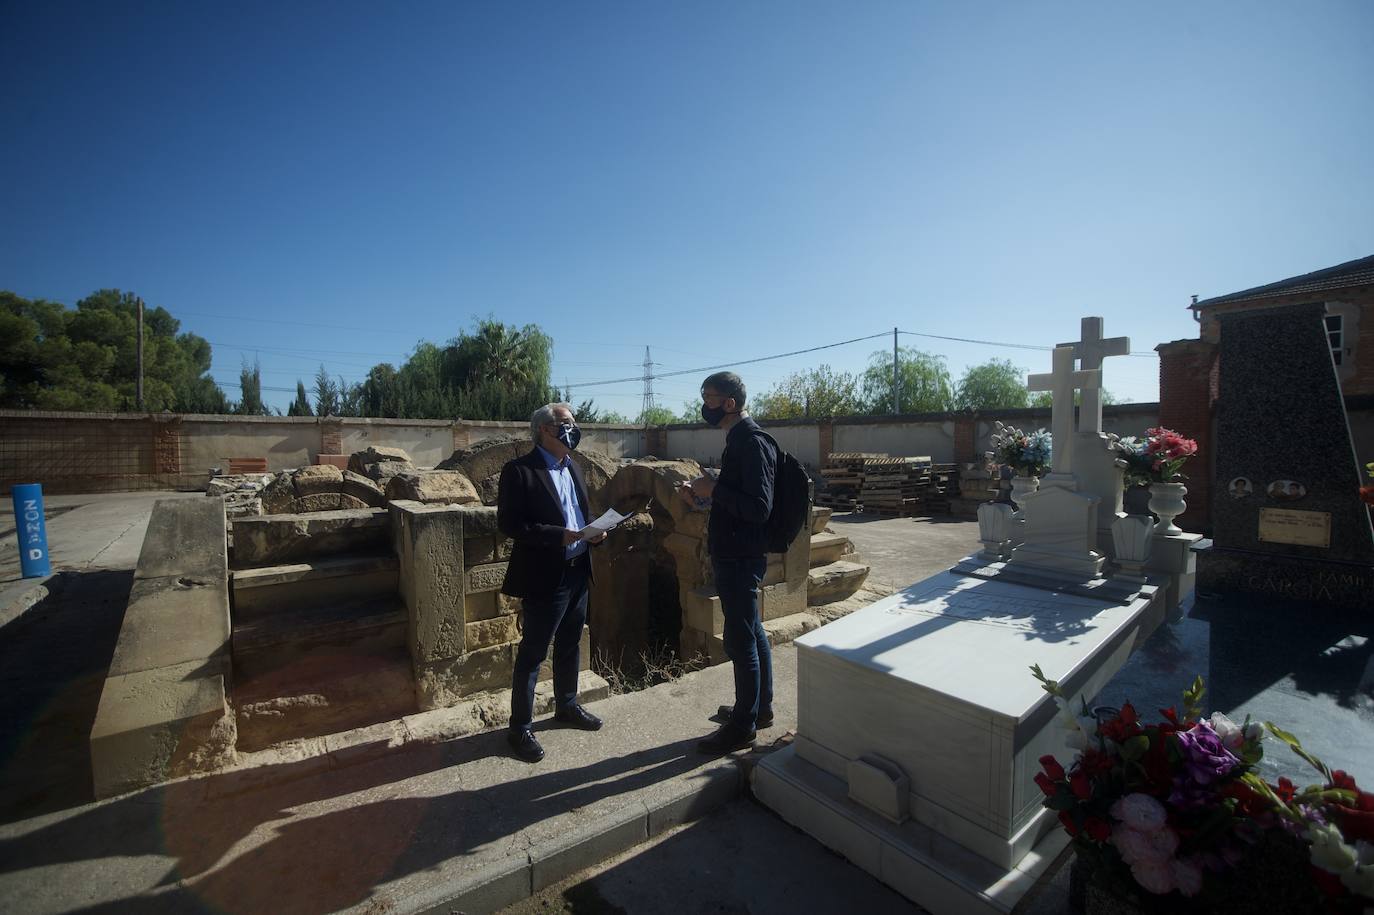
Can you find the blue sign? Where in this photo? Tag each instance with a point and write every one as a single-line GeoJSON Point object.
{"type": "Point", "coordinates": [32, 530]}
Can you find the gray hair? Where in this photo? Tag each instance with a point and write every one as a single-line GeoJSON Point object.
{"type": "Point", "coordinates": [543, 416]}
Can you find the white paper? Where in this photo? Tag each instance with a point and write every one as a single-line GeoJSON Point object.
{"type": "Point", "coordinates": [602, 525]}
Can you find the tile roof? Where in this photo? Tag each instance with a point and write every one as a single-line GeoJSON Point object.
{"type": "Point", "coordinates": [1342, 276]}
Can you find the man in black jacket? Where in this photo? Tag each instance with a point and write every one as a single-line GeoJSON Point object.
{"type": "Point", "coordinates": [541, 505]}
{"type": "Point", "coordinates": [741, 501]}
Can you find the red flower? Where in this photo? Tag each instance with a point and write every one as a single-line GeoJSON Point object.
{"type": "Point", "coordinates": [1069, 825]}
{"type": "Point", "coordinates": [1081, 787]}
{"type": "Point", "coordinates": [1356, 824]}
{"type": "Point", "coordinates": [1128, 714]}
{"type": "Point", "coordinates": [1047, 786]}
{"type": "Point", "coordinates": [1367, 495]}
{"type": "Point", "coordinates": [1329, 883]}
{"type": "Point", "coordinates": [1094, 763]}
{"type": "Point", "coordinates": [1052, 767]}
{"type": "Point", "coordinates": [1097, 829]}
{"type": "Point", "coordinates": [1170, 715]}
{"type": "Point", "coordinates": [1341, 779]}
{"type": "Point", "coordinates": [1285, 790]}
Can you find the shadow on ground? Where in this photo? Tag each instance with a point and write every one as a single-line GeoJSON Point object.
{"type": "Point", "coordinates": [326, 842]}
{"type": "Point", "coordinates": [53, 662]}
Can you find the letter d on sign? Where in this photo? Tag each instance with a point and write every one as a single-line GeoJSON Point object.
{"type": "Point", "coordinates": [28, 505]}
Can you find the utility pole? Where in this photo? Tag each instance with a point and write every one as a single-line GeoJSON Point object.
{"type": "Point", "coordinates": [138, 391]}
{"type": "Point", "coordinates": [896, 377]}
{"type": "Point", "coordinates": [648, 403]}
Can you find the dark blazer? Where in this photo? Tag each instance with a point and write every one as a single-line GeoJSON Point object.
{"type": "Point", "coordinates": [528, 511]}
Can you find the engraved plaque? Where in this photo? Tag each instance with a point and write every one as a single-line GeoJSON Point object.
{"type": "Point", "coordinates": [486, 578]}
{"type": "Point", "coordinates": [1290, 525]}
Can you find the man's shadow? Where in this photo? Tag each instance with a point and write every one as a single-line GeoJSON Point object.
{"type": "Point", "coordinates": [319, 862]}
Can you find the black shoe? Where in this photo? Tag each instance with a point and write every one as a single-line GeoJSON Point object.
{"type": "Point", "coordinates": [727, 712]}
{"type": "Point", "coordinates": [525, 746]}
{"type": "Point", "coordinates": [576, 716]}
{"type": "Point", "coordinates": [726, 740]}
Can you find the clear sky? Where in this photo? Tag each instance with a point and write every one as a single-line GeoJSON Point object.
{"type": "Point", "coordinates": [333, 182]}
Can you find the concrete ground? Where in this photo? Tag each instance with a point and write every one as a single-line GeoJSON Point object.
{"type": "Point", "coordinates": [100, 531]}
{"type": "Point", "coordinates": [903, 551]}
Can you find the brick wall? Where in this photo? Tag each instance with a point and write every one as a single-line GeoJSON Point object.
{"type": "Point", "coordinates": [965, 438]}
{"type": "Point", "coordinates": [825, 439]}
{"type": "Point", "coordinates": [1187, 391]}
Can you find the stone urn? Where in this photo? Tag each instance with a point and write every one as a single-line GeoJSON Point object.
{"type": "Point", "coordinates": [1166, 501]}
{"type": "Point", "coordinates": [1022, 486]}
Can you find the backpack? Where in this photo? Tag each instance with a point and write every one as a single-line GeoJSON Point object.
{"type": "Point", "coordinates": [791, 500]}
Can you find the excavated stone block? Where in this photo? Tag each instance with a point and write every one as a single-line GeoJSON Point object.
{"type": "Point", "coordinates": [376, 455]}
{"type": "Point", "coordinates": [494, 631]}
{"type": "Point", "coordinates": [429, 541]}
{"type": "Point", "coordinates": [316, 479]}
{"type": "Point", "coordinates": [278, 495]}
{"type": "Point", "coordinates": [432, 486]}
{"type": "Point", "coordinates": [154, 725]}
{"type": "Point", "coordinates": [486, 578]}
{"type": "Point", "coordinates": [361, 488]}
{"type": "Point", "coordinates": [325, 502]}
{"type": "Point", "coordinates": [272, 539]}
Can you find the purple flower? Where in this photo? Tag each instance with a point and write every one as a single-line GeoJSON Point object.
{"type": "Point", "coordinates": [1204, 755]}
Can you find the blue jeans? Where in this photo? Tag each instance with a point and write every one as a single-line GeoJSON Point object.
{"type": "Point", "coordinates": [746, 644]}
{"type": "Point", "coordinates": [558, 619]}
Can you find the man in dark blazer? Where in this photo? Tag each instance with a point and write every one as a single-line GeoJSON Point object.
{"type": "Point", "coordinates": [541, 505]}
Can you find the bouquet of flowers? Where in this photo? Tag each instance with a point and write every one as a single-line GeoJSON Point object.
{"type": "Point", "coordinates": [1028, 453]}
{"type": "Point", "coordinates": [1159, 458]}
{"type": "Point", "coordinates": [1174, 808]}
{"type": "Point", "coordinates": [1367, 492]}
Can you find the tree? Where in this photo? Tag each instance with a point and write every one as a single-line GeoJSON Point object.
{"type": "Point", "coordinates": [56, 358]}
{"type": "Point", "coordinates": [655, 416]}
{"type": "Point", "coordinates": [995, 384]}
{"type": "Point", "coordinates": [923, 382]}
{"type": "Point", "coordinates": [250, 390]}
{"type": "Point", "coordinates": [326, 394]}
{"type": "Point", "coordinates": [301, 405]}
{"type": "Point", "coordinates": [819, 392]}
{"type": "Point", "coordinates": [586, 412]}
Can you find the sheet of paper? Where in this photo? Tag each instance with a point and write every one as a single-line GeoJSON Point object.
{"type": "Point", "coordinates": [605, 523]}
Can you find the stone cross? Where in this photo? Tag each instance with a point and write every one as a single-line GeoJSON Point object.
{"type": "Point", "coordinates": [1062, 382]}
{"type": "Point", "coordinates": [1090, 351]}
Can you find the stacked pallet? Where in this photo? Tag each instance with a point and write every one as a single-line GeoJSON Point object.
{"type": "Point", "coordinates": [894, 485]}
{"type": "Point", "coordinates": [943, 483]}
{"type": "Point", "coordinates": [843, 472]}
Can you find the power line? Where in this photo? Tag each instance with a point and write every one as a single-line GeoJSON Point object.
{"type": "Point", "coordinates": [1047, 349]}
{"type": "Point", "coordinates": [724, 365]}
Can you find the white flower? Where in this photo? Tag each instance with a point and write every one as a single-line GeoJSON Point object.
{"type": "Point", "coordinates": [1132, 844]}
{"type": "Point", "coordinates": [1360, 878]}
{"type": "Point", "coordinates": [1230, 733]}
{"type": "Point", "coordinates": [1253, 731]}
{"type": "Point", "coordinates": [1155, 876]}
{"type": "Point", "coordinates": [1187, 876]}
{"type": "Point", "coordinates": [1329, 851]}
{"type": "Point", "coordinates": [1140, 811]}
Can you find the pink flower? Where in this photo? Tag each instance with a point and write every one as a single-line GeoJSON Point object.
{"type": "Point", "coordinates": [1187, 876]}
{"type": "Point", "coordinates": [1140, 811]}
{"type": "Point", "coordinates": [1133, 844]}
{"type": "Point", "coordinates": [1155, 876]}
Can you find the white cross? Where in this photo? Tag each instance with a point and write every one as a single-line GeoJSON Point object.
{"type": "Point", "coordinates": [1090, 351]}
{"type": "Point", "coordinates": [1062, 382]}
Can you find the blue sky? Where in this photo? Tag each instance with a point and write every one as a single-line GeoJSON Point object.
{"type": "Point", "coordinates": [334, 182]}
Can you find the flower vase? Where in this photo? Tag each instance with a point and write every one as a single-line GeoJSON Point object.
{"type": "Point", "coordinates": [1022, 486]}
{"type": "Point", "coordinates": [1166, 501]}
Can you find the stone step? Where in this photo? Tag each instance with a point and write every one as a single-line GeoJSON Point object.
{"type": "Point", "coordinates": [827, 548]}
{"type": "Point", "coordinates": [820, 517]}
{"type": "Point", "coordinates": [780, 631]}
{"type": "Point", "coordinates": [836, 581]}
{"type": "Point", "coordinates": [313, 583]}
{"type": "Point", "coordinates": [323, 692]}
{"type": "Point", "coordinates": [275, 640]}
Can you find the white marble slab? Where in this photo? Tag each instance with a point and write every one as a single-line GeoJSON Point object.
{"type": "Point", "coordinates": [936, 679]}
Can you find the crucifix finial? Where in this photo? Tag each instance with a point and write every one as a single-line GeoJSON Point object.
{"type": "Point", "coordinates": [1090, 350]}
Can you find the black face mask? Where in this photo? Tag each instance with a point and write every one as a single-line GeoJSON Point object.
{"type": "Point", "coordinates": [713, 415]}
{"type": "Point", "coordinates": [569, 435]}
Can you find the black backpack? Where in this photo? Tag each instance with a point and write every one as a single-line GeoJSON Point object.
{"type": "Point", "coordinates": [791, 500]}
